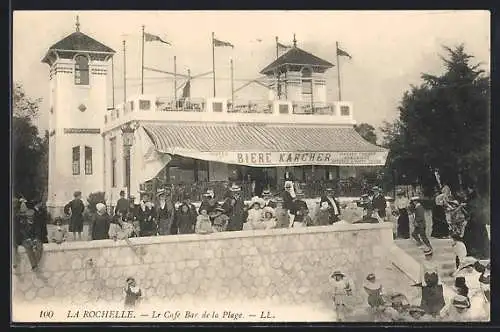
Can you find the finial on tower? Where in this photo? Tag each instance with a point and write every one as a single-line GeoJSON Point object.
{"type": "Point", "coordinates": [294, 41]}
{"type": "Point", "coordinates": [77, 24]}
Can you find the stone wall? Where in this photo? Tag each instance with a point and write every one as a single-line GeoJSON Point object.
{"type": "Point", "coordinates": [290, 266]}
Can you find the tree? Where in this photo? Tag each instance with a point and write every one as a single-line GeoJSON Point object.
{"type": "Point", "coordinates": [29, 162]}
{"type": "Point", "coordinates": [367, 132]}
{"type": "Point", "coordinates": [443, 124]}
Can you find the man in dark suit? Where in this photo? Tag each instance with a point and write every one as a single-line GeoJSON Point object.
{"type": "Point", "coordinates": [334, 206]}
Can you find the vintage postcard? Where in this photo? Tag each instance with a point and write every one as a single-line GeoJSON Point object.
{"type": "Point", "coordinates": [250, 166]}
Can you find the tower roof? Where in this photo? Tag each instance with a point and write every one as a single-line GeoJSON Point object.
{"type": "Point", "coordinates": [78, 41]}
{"type": "Point", "coordinates": [296, 56]}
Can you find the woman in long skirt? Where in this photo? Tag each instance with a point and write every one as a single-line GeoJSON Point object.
{"type": "Point", "coordinates": [476, 237]}
{"type": "Point", "coordinates": [440, 229]}
{"type": "Point", "coordinates": [402, 202]}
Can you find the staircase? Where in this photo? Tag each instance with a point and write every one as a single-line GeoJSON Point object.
{"type": "Point", "coordinates": [442, 254]}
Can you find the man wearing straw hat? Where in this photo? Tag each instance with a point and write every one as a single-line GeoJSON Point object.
{"type": "Point", "coordinates": [234, 209]}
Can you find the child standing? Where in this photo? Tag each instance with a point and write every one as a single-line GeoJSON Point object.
{"type": "Point", "coordinates": [341, 290]}
{"type": "Point", "coordinates": [220, 220]}
{"type": "Point", "coordinates": [132, 293]}
{"type": "Point", "coordinates": [374, 291]}
{"type": "Point", "coordinates": [203, 223]}
{"type": "Point", "coordinates": [432, 290]}
{"type": "Point", "coordinates": [282, 216]}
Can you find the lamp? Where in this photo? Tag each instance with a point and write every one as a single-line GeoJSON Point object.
{"type": "Point", "coordinates": [128, 131]}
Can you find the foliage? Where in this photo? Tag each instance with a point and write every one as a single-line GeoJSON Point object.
{"type": "Point", "coordinates": [367, 132]}
{"type": "Point", "coordinates": [94, 198]}
{"type": "Point", "coordinates": [29, 150]}
{"type": "Point", "coordinates": [443, 124]}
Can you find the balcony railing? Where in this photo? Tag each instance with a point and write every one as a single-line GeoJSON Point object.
{"type": "Point", "coordinates": [317, 108]}
{"type": "Point", "coordinates": [239, 107]}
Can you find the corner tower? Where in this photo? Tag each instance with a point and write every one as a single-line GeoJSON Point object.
{"type": "Point", "coordinates": [78, 100]}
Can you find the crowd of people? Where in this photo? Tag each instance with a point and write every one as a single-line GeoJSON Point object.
{"type": "Point", "coordinates": [287, 209]}
{"type": "Point", "coordinates": [459, 218]}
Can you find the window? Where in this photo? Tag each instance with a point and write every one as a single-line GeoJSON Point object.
{"type": "Point", "coordinates": [76, 160]}
{"type": "Point", "coordinates": [81, 70]}
{"type": "Point", "coordinates": [217, 107]}
{"type": "Point", "coordinates": [88, 160]}
{"type": "Point", "coordinates": [307, 87]}
{"type": "Point", "coordinates": [344, 110]}
{"type": "Point", "coordinates": [144, 105]}
{"type": "Point", "coordinates": [113, 162]}
{"type": "Point", "coordinates": [283, 109]}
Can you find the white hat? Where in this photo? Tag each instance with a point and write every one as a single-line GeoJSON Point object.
{"type": "Point", "coordinates": [268, 209]}
{"type": "Point", "coordinates": [100, 207]}
{"type": "Point", "coordinates": [466, 262]}
{"type": "Point", "coordinates": [257, 200]}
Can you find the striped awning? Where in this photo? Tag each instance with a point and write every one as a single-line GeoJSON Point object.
{"type": "Point", "coordinates": [266, 146]}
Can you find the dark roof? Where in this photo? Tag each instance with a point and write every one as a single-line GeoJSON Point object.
{"type": "Point", "coordinates": [296, 56]}
{"type": "Point", "coordinates": [79, 41]}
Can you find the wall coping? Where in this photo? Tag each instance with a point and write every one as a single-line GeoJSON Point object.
{"type": "Point", "coordinates": [181, 238]}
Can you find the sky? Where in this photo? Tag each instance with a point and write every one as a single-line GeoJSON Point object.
{"type": "Point", "coordinates": [389, 49]}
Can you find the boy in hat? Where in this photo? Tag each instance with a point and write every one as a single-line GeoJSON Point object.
{"type": "Point", "coordinates": [209, 203]}
{"type": "Point", "coordinates": [341, 290]}
{"type": "Point", "coordinates": [132, 293]}
{"type": "Point", "coordinates": [333, 205]}
{"type": "Point", "coordinates": [419, 231]}
{"type": "Point", "coordinates": [75, 209]}
{"type": "Point", "coordinates": [220, 220]}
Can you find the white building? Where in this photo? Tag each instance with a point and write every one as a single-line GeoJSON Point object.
{"type": "Point", "coordinates": [195, 142]}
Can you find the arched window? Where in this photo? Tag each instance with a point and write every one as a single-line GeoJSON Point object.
{"type": "Point", "coordinates": [81, 70]}
{"type": "Point", "coordinates": [76, 160]}
{"type": "Point", "coordinates": [88, 160]}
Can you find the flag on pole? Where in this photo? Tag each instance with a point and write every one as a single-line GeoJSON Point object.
{"type": "Point", "coordinates": [341, 52]}
{"type": "Point", "coordinates": [186, 91]}
{"type": "Point", "coordinates": [220, 43]}
{"type": "Point", "coordinates": [150, 37]}
{"type": "Point", "coordinates": [283, 46]}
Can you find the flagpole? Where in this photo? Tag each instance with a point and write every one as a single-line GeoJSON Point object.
{"type": "Point", "coordinates": [338, 71]}
{"type": "Point", "coordinates": [213, 60]}
{"type": "Point", "coordinates": [277, 72]}
{"type": "Point", "coordinates": [188, 81]}
{"type": "Point", "coordinates": [232, 85]}
{"type": "Point", "coordinates": [175, 81]}
{"type": "Point", "coordinates": [124, 74]}
{"type": "Point", "coordinates": [113, 82]}
{"type": "Point", "coordinates": [142, 62]}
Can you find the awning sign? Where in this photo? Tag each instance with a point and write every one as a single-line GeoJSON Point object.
{"type": "Point", "coordinates": [273, 159]}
